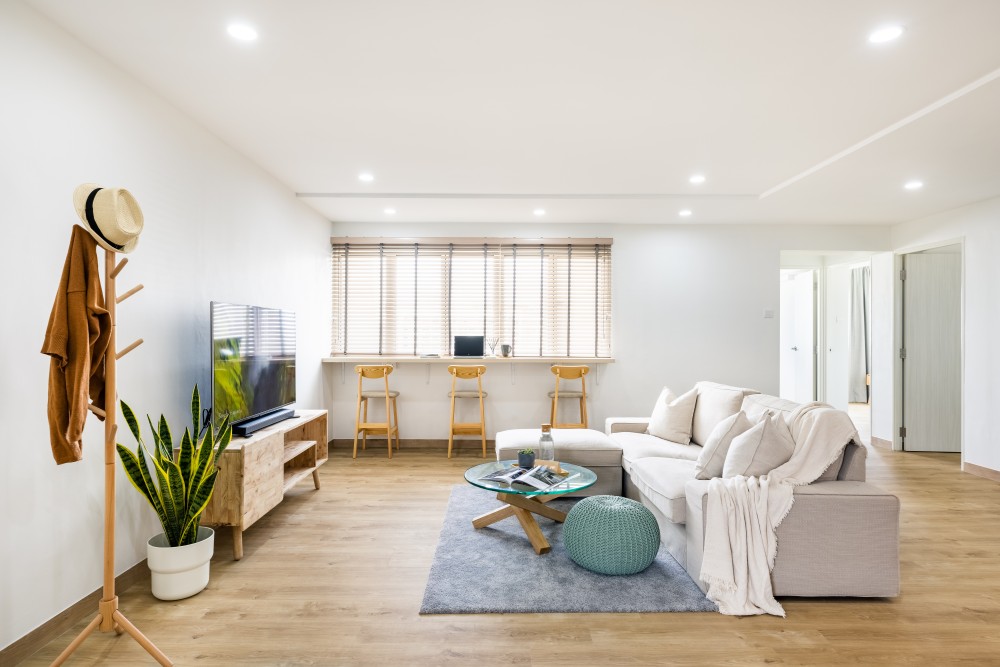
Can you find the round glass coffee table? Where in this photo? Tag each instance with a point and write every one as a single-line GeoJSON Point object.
{"type": "Point", "coordinates": [524, 501]}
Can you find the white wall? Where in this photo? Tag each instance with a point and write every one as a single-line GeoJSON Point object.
{"type": "Point", "coordinates": [688, 306]}
{"type": "Point", "coordinates": [979, 226]}
{"type": "Point", "coordinates": [217, 227]}
{"type": "Point", "coordinates": [883, 345]}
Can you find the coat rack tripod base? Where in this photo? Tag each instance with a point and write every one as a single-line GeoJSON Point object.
{"type": "Point", "coordinates": [109, 618]}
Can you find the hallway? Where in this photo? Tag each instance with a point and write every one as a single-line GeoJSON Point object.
{"type": "Point", "coordinates": [861, 415]}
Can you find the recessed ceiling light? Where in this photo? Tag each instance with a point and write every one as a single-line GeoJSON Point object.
{"type": "Point", "coordinates": [390, 211]}
{"type": "Point", "coordinates": [684, 212]}
{"type": "Point", "coordinates": [697, 179]}
{"type": "Point", "coordinates": [886, 34]}
{"type": "Point", "coordinates": [539, 212]}
{"type": "Point", "coordinates": [242, 32]}
{"type": "Point", "coordinates": [366, 177]}
{"type": "Point", "coordinates": [913, 185]}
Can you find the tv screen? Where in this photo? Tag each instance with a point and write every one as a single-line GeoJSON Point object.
{"type": "Point", "coordinates": [253, 361]}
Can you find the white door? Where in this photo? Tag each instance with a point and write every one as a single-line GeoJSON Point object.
{"type": "Point", "coordinates": [797, 335]}
{"type": "Point", "coordinates": [932, 290]}
{"type": "Point", "coordinates": [838, 341]}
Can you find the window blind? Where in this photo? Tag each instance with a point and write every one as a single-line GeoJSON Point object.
{"type": "Point", "coordinates": [550, 298]}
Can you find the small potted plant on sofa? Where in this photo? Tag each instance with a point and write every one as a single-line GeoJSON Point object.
{"type": "Point", "coordinates": [526, 458]}
{"type": "Point", "coordinates": [178, 489]}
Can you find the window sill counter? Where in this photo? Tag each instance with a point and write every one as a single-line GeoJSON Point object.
{"type": "Point", "coordinates": [410, 359]}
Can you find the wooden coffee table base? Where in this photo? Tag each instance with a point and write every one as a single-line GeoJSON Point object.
{"type": "Point", "coordinates": [524, 508]}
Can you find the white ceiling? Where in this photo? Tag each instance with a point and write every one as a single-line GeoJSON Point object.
{"type": "Point", "coordinates": [594, 111]}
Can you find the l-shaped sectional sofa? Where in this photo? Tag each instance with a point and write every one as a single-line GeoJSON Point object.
{"type": "Point", "coordinates": [841, 537]}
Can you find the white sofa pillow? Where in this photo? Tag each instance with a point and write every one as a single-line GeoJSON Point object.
{"type": "Point", "coordinates": [672, 416]}
{"type": "Point", "coordinates": [761, 449]}
{"type": "Point", "coordinates": [715, 403]}
{"type": "Point", "coordinates": [713, 454]}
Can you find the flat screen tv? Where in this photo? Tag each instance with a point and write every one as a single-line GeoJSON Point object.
{"type": "Point", "coordinates": [253, 364]}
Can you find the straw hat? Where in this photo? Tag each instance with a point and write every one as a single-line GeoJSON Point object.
{"type": "Point", "coordinates": [111, 215]}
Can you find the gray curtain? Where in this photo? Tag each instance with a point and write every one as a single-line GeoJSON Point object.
{"type": "Point", "coordinates": [861, 359]}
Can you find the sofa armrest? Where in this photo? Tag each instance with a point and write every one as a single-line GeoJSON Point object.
{"type": "Point", "coordinates": [625, 424]}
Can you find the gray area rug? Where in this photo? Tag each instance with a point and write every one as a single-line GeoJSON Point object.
{"type": "Point", "coordinates": [495, 570]}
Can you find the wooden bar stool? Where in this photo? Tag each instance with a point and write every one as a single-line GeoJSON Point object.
{"type": "Point", "coordinates": [361, 424]}
{"type": "Point", "coordinates": [570, 373]}
{"type": "Point", "coordinates": [473, 428]}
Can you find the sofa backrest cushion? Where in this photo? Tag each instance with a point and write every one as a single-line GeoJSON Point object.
{"type": "Point", "coordinates": [833, 470]}
{"type": "Point", "coordinates": [853, 468]}
{"type": "Point", "coordinates": [672, 415]}
{"type": "Point", "coordinates": [715, 403]}
{"type": "Point", "coordinates": [757, 404]}
{"type": "Point", "coordinates": [850, 466]}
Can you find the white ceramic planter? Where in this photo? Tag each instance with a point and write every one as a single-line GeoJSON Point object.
{"type": "Point", "coordinates": [180, 572]}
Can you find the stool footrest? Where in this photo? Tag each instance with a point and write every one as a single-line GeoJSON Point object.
{"type": "Point", "coordinates": [375, 427]}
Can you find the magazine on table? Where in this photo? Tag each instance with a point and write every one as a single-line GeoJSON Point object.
{"type": "Point", "coordinates": [505, 475]}
{"type": "Point", "coordinates": [540, 477]}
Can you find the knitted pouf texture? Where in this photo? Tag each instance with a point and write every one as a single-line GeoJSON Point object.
{"type": "Point", "coordinates": [611, 535]}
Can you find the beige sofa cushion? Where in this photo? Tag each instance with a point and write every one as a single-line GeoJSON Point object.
{"type": "Point", "coordinates": [713, 455]}
{"type": "Point", "coordinates": [761, 449]}
{"type": "Point", "coordinates": [853, 467]}
{"type": "Point", "coordinates": [662, 482]}
{"type": "Point", "coordinates": [672, 415]}
{"type": "Point", "coordinates": [715, 403]}
{"type": "Point", "coordinates": [636, 446]}
{"type": "Point", "coordinates": [831, 473]}
{"type": "Point", "coordinates": [756, 405]}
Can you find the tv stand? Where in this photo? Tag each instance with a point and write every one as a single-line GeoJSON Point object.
{"type": "Point", "coordinates": [246, 428]}
{"type": "Point", "coordinates": [256, 472]}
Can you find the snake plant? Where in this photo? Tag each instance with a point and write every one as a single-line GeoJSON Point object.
{"type": "Point", "coordinates": [183, 484]}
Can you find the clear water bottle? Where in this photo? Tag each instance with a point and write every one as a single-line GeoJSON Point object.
{"type": "Point", "coordinates": [546, 446]}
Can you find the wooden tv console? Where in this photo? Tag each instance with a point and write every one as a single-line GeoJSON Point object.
{"type": "Point", "coordinates": [256, 472]}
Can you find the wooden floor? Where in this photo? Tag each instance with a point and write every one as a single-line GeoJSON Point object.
{"type": "Point", "coordinates": [335, 577]}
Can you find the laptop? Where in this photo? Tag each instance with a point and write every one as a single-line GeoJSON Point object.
{"type": "Point", "coordinates": [469, 347]}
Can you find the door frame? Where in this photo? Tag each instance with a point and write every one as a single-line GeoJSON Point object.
{"type": "Point", "coordinates": [897, 338]}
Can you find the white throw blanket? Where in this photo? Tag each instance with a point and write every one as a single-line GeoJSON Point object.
{"type": "Point", "coordinates": [744, 513]}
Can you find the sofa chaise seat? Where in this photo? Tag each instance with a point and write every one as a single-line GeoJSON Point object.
{"type": "Point", "coordinates": [586, 447]}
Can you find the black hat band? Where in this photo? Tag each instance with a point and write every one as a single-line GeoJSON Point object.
{"type": "Point", "coordinates": [93, 223]}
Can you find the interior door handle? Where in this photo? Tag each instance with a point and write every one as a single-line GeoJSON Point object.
{"type": "Point", "coordinates": [795, 348]}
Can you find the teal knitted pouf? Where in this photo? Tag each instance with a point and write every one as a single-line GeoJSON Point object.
{"type": "Point", "coordinates": [611, 535]}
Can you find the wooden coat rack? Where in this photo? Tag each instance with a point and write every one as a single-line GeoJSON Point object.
{"type": "Point", "coordinates": [109, 618]}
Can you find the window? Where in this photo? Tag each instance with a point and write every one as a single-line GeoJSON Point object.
{"type": "Point", "coordinates": [545, 298]}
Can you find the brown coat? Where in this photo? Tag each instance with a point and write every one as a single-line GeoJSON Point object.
{"type": "Point", "coordinates": [77, 339]}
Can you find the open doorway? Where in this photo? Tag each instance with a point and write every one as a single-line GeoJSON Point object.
{"type": "Point", "coordinates": [859, 345]}
{"type": "Point", "coordinates": [826, 308]}
{"type": "Point", "coordinates": [848, 341]}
